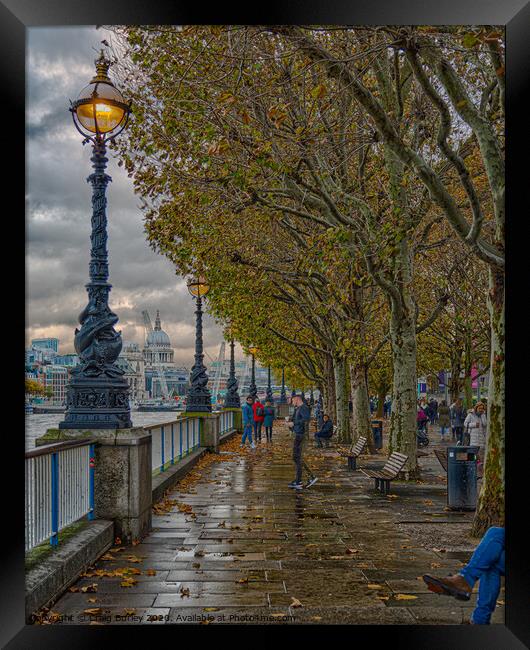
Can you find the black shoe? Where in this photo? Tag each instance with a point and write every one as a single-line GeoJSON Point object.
{"type": "Point", "coordinates": [295, 484]}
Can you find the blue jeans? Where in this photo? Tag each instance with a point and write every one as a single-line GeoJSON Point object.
{"type": "Point", "coordinates": [247, 433]}
{"type": "Point", "coordinates": [257, 430]}
{"type": "Point", "coordinates": [487, 566]}
{"type": "Point", "coordinates": [443, 430]}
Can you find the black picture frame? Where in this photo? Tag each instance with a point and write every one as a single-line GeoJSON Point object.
{"type": "Point", "coordinates": [15, 17]}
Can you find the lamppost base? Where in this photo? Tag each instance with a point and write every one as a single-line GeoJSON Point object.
{"type": "Point", "coordinates": [198, 404]}
{"type": "Point", "coordinates": [97, 403]}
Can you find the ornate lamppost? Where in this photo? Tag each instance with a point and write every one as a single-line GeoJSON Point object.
{"type": "Point", "coordinates": [98, 393]}
{"type": "Point", "coordinates": [269, 395]}
{"type": "Point", "coordinates": [253, 391]}
{"type": "Point", "coordinates": [283, 396]}
{"type": "Point", "coordinates": [198, 398]}
{"type": "Point", "coordinates": [232, 399]}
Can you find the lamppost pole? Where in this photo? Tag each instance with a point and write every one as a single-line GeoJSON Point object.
{"type": "Point", "coordinates": [283, 396]}
{"type": "Point", "coordinates": [253, 391]}
{"type": "Point", "coordinates": [232, 399]}
{"type": "Point", "coordinates": [198, 399]}
{"type": "Point", "coordinates": [269, 395]}
{"type": "Point", "coordinates": [98, 393]}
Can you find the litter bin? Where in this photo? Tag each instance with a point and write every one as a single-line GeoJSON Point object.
{"type": "Point", "coordinates": [377, 431]}
{"type": "Point", "coordinates": [462, 478]}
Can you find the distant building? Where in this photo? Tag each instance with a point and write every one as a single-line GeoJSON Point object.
{"type": "Point", "coordinates": [69, 360]}
{"type": "Point", "coordinates": [159, 361]}
{"type": "Point", "coordinates": [131, 360]}
{"type": "Point", "coordinates": [46, 344]}
{"type": "Point", "coordinates": [53, 377]}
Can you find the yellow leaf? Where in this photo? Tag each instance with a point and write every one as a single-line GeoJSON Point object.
{"type": "Point", "coordinates": [374, 586]}
{"type": "Point", "coordinates": [405, 597]}
{"type": "Point", "coordinates": [210, 609]}
{"type": "Point", "coordinates": [93, 612]}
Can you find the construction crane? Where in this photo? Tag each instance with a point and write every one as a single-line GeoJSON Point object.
{"type": "Point", "coordinates": [218, 372]}
{"type": "Point", "coordinates": [161, 378]}
{"type": "Point", "coordinates": [245, 384]}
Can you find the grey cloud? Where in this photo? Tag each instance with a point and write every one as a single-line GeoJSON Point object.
{"type": "Point", "coordinates": [60, 63]}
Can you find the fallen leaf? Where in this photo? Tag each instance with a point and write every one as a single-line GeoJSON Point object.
{"type": "Point", "coordinates": [405, 597]}
{"type": "Point", "coordinates": [351, 551]}
{"type": "Point", "coordinates": [278, 615]}
{"type": "Point", "coordinates": [96, 611]}
{"type": "Point", "coordinates": [184, 592]}
{"type": "Point", "coordinates": [210, 609]}
{"type": "Point", "coordinates": [90, 588]}
{"type": "Point", "coordinates": [374, 586]}
{"type": "Point", "coordinates": [316, 618]}
{"type": "Point", "coordinates": [150, 572]}
{"type": "Point", "coordinates": [295, 602]}
{"type": "Point", "coordinates": [129, 612]}
{"type": "Point", "coordinates": [92, 600]}
{"type": "Point", "coordinates": [242, 581]}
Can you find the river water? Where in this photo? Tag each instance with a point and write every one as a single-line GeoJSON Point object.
{"type": "Point", "coordinates": [37, 423]}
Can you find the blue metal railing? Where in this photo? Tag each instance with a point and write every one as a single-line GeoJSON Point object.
{"type": "Point", "coordinates": [59, 489]}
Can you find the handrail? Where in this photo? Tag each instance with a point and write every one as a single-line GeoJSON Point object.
{"type": "Point", "coordinates": [42, 450]}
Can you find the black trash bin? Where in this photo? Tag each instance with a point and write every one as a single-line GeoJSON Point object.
{"type": "Point", "coordinates": [377, 431]}
{"type": "Point", "coordinates": [462, 478]}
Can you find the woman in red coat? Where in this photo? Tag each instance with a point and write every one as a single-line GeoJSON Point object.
{"type": "Point", "coordinates": [259, 416]}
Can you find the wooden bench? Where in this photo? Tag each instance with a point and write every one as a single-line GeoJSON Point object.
{"type": "Point", "coordinates": [382, 477]}
{"type": "Point", "coordinates": [355, 451]}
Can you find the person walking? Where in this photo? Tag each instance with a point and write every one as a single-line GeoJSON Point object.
{"type": "Point", "coordinates": [487, 565]}
{"type": "Point", "coordinates": [301, 416]}
{"type": "Point", "coordinates": [387, 408]}
{"type": "Point", "coordinates": [248, 422]}
{"type": "Point", "coordinates": [325, 432]}
{"type": "Point", "coordinates": [422, 419]}
{"type": "Point", "coordinates": [476, 424]}
{"type": "Point", "coordinates": [268, 419]}
{"type": "Point", "coordinates": [259, 416]}
{"type": "Point", "coordinates": [444, 419]}
{"type": "Point", "coordinates": [458, 416]}
{"type": "Point", "coordinates": [433, 406]}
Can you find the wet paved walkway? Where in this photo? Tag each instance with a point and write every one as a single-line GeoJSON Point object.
{"type": "Point", "coordinates": [233, 544]}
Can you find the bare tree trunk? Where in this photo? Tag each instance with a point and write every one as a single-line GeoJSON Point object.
{"type": "Point", "coordinates": [404, 403]}
{"type": "Point", "coordinates": [490, 510]}
{"type": "Point", "coordinates": [341, 400]}
{"type": "Point", "coordinates": [468, 367]}
{"type": "Point", "coordinates": [361, 407]}
{"type": "Point", "coordinates": [329, 395]}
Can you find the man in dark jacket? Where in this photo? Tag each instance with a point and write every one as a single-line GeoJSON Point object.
{"type": "Point", "coordinates": [301, 416]}
{"type": "Point", "coordinates": [325, 433]}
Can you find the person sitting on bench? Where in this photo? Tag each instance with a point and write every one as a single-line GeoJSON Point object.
{"type": "Point", "coordinates": [487, 566]}
{"type": "Point", "coordinates": [325, 432]}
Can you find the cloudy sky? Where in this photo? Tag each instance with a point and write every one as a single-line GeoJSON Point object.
{"type": "Point", "coordinates": [60, 62]}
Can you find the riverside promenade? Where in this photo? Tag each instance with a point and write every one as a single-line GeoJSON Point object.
{"type": "Point", "coordinates": [231, 543]}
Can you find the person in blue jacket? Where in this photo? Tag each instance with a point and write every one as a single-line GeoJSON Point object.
{"type": "Point", "coordinates": [268, 420]}
{"type": "Point", "coordinates": [301, 417]}
{"type": "Point", "coordinates": [248, 421]}
{"type": "Point", "coordinates": [325, 432]}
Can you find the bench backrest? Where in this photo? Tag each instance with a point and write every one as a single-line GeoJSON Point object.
{"type": "Point", "coordinates": [358, 447]}
{"type": "Point", "coordinates": [395, 463]}
{"type": "Point", "coordinates": [442, 457]}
